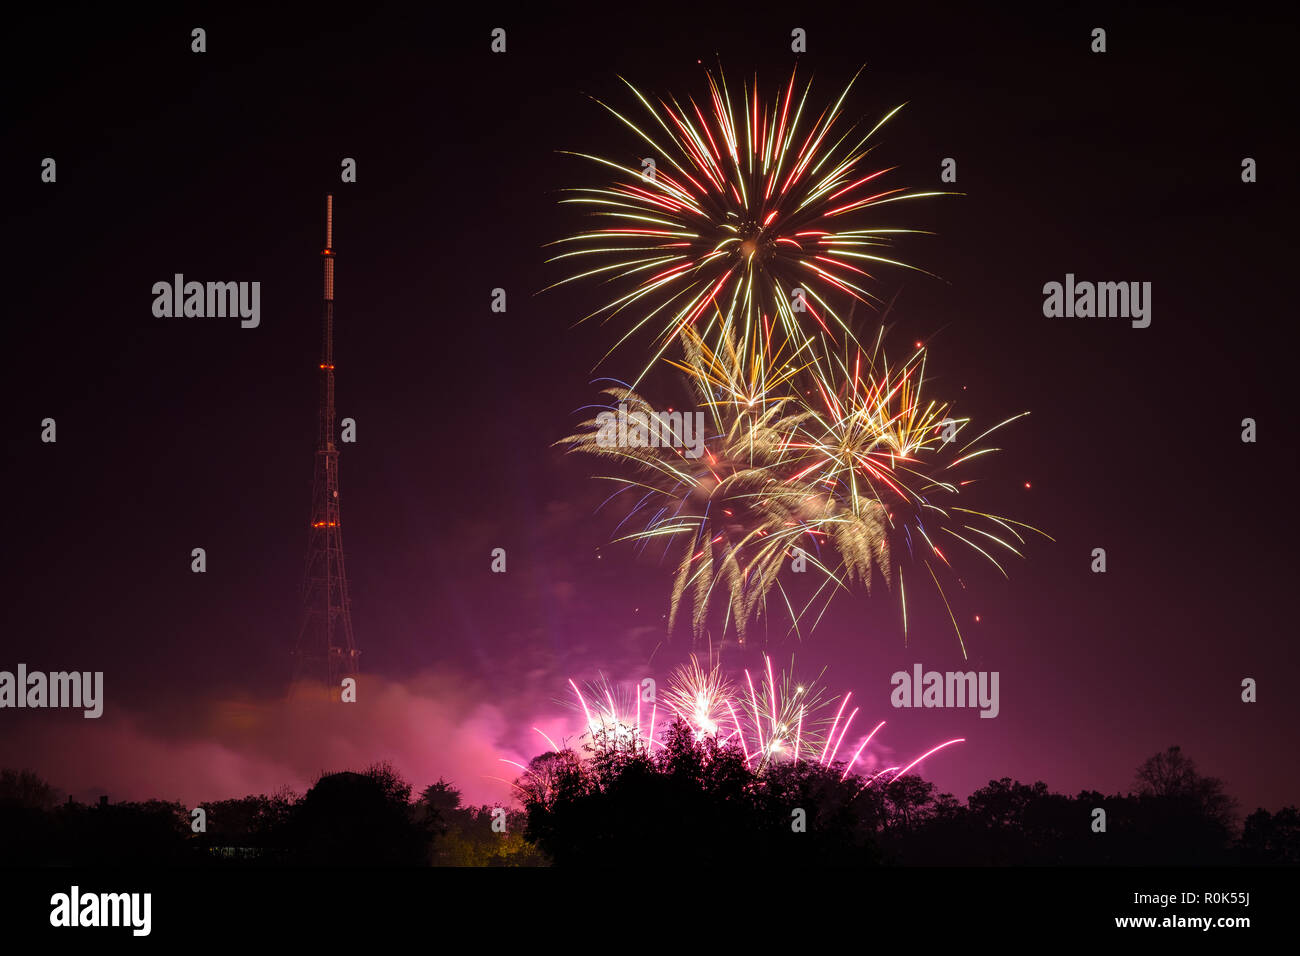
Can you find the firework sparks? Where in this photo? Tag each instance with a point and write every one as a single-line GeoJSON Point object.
{"type": "Point", "coordinates": [841, 461]}
{"type": "Point", "coordinates": [699, 696]}
{"type": "Point", "coordinates": [752, 217]}
{"type": "Point", "coordinates": [772, 717]}
{"type": "Point", "coordinates": [819, 451]}
{"type": "Point", "coordinates": [890, 462]}
{"type": "Point", "coordinates": [727, 510]}
{"type": "Point", "coordinates": [612, 721]}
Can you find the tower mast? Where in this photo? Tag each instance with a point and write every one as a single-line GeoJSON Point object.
{"type": "Point", "coordinates": [326, 651]}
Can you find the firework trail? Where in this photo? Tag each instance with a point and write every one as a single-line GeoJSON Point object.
{"type": "Point", "coordinates": [769, 716]}
{"type": "Point", "coordinates": [699, 696]}
{"type": "Point", "coordinates": [840, 461]}
{"type": "Point", "coordinates": [613, 722]}
{"type": "Point", "coordinates": [754, 216]}
{"type": "Point", "coordinates": [890, 458]}
{"type": "Point", "coordinates": [726, 511]}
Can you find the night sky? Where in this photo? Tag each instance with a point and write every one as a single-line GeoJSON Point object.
{"type": "Point", "coordinates": [176, 433]}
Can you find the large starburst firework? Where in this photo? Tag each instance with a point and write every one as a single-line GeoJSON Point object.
{"type": "Point", "coordinates": [748, 215]}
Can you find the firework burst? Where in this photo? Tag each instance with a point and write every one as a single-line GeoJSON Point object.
{"type": "Point", "coordinates": [818, 450]}
{"type": "Point", "coordinates": [890, 461]}
{"type": "Point", "coordinates": [699, 696]}
{"type": "Point", "coordinates": [613, 719]}
{"type": "Point", "coordinates": [770, 716]}
{"type": "Point", "coordinates": [726, 510]}
{"type": "Point", "coordinates": [840, 461]}
{"type": "Point", "coordinates": [754, 217]}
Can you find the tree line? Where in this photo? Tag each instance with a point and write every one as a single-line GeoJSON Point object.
{"type": "Point", "coordinates": [692, 801]}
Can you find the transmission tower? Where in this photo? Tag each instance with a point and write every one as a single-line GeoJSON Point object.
{"type": "Point", "coordinates": [326, 652]}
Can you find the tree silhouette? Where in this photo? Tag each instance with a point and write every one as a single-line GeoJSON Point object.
{"type": "Point", "coordinates": [465, 836]}
{"type": "Point", "coordinates": [1182, 817]}
{"type": "Point", "coordinates": [1172, 776]}
{"type": "Point", "coordinates": [26, 827]}
{"type": "Point", "coordinates": [357, 819]}
{"type": "Point", "coordinates": [694, 801]}
{"type": "Point", "coordinates": [1271, 838]}
{"type": "Point", "coordinates": [248, 827]}
{"type": "Point", "coordinates": [23, 788]}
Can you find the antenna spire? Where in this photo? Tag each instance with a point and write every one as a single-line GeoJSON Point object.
{"type": "Point", "coordinates": [326, 651]}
